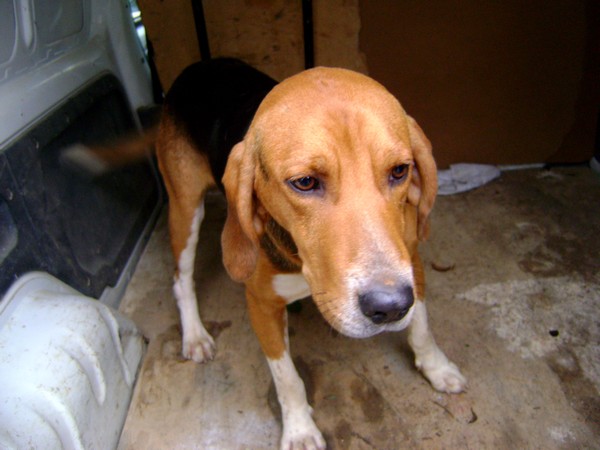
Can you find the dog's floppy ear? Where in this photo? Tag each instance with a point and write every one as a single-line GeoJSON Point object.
{"type": "Point", "coordinates": [239, 240]}
{"type": "Point", "coordinates": [423, 187]}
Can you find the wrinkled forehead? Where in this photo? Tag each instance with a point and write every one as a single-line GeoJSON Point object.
{"type": "Point", "coordinates": [328, 107]}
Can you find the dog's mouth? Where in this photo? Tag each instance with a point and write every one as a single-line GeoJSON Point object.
{"type": "Point", "coordinates": [368, 299]}
{"type": "Point", "coordinates": [366, 316]}
{"type": "Point", "coordinates": [363, 328]}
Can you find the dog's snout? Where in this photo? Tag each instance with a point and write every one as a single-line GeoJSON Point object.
{"type": "Point", "coordinates": [384, 304]}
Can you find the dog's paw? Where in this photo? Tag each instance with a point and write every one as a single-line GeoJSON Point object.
{"type": "Point", "coordinates": [199, 348]}
{"type": "Point", "coordinates": [445, 377]}
{"type": "Point", "coordinates": [302, 435]}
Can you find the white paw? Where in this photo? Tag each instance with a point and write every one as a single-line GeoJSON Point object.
{"type": "Point", "coordinates": [199, 348]}
{"type": "Point", "coordinates": [445, 377]}
{"type": "Point", "coordinates": [302, 435]}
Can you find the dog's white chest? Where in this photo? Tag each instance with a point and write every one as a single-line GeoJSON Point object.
{"type": "Point", "coordinates": [291, 287]}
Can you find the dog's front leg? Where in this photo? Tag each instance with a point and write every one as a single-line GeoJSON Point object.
{"type": "Point", "coordinates": [269, 320]}
{"type": "Point", "coordinates": [443, 374]}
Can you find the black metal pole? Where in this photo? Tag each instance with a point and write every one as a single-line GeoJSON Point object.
{"type": "Point", "coordinates": [307, 27]}
{"type": "Point", "coordinates": [201, 33]}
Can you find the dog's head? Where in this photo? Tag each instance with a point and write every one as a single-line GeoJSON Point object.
{"type": "Point", "coordinates": [332, 158]}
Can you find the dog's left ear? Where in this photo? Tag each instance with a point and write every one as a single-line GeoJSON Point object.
{"type": "Point", "coordinates": [423, 187]}
{"type": "Point", "coordinates": [239, 240]}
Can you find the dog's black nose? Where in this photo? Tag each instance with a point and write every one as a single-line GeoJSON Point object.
{"type": "Point", "coordinates": [385, 304]}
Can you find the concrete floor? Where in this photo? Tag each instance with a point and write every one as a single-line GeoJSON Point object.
{"type": "Point", "coordinates": [513, 273]}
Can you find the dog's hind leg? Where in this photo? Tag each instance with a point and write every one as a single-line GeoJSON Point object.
{"type": "Point", "coordinates": [197, 344]}
{"type": "Point", "coordinates": [187, 177]}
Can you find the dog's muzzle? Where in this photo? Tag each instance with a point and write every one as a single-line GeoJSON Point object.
{"type": "Point", "coordinates": [383, 304]}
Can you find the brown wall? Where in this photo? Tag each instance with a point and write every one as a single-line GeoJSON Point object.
{"type": "Point", "coordinates": [170, 27]}
{"type": "Point", "coordinates": [264, 33]}
{"type": "Point", "coordinates": [490, 81]}
{"type": "Point", "coordinates": [501, 82]}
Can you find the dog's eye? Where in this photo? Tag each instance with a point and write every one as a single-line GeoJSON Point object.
{"type": "Point", "coordinates": [399, 173]}
{"type": "Point", "coordinates": [305, 184]}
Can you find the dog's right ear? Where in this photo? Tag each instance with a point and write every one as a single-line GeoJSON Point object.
{"type": "Point", "coordinates": [239, 240]}
{"type": "Point", "coordinates": [424, 182]}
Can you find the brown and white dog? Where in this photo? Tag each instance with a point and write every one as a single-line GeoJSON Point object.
{"type": "Point", "coordinates": [329, 184]}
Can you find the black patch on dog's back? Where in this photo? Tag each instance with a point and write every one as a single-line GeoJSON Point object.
{"type": "Point", "coordinates": [213, 102]}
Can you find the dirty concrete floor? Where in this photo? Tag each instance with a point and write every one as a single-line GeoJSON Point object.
{"type": "Point", "coordinates": [513, 271]}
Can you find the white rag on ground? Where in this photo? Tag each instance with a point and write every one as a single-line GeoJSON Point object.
{"type": "Point", "coordinates": [463, 177]}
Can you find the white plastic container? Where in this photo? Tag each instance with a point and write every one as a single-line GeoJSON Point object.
{"type": "Point", "coordinates": [67, 367]}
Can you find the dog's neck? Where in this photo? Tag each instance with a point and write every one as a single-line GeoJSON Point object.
{"type": "Point", "coordinates": [280, 248]}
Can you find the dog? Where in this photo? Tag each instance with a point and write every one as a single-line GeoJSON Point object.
{"type": "Point", "coordinates": [329, 184]}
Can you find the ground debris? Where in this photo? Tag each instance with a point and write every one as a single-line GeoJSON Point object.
{"type": "Point", "coordinates": [458, 406]}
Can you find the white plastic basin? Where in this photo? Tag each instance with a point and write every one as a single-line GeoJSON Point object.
{"type": "Point", "coordinates": [67, 367]}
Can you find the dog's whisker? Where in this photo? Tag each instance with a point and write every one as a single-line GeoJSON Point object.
{"type": "Point", "coordinates": [319, 293]}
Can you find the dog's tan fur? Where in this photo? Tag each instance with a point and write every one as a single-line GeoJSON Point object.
{"type": "Point", "coordinates": [347, 131]}
{"type": "Point", "coordinates": [354, 150]}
